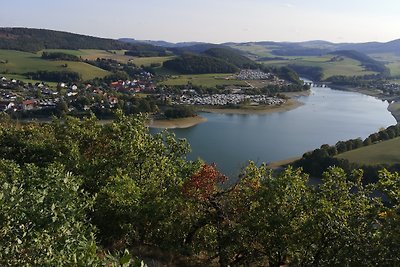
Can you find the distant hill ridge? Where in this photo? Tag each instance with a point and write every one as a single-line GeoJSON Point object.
{"type": "Point", "coordinates": [33, 40]}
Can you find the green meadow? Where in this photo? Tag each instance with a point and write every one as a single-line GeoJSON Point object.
{"type": "Point", "coordinates": [206, 80]}
{"type": "Point", "coordinates": [17, 62]}
{"type": "Point", "coordinates": [345, 67]}
{"type": "Point", "coordinates": [392, 61]}
{"type": "Point", "coordinates": [147, 61]}
{"type": "Point", "coordinates": [386, 152]}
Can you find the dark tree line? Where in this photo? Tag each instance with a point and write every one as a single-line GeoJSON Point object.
{"type": "Point", "coordinates": [312, 72]}
{"type": "Point", "coordinates": [59, 56]}
{"type": "Point", "coordinates": [54, 76]}
{"type": "Point", "coordinates": [146, 50]}
{"type": "Point", "coordinates": [180, 112]}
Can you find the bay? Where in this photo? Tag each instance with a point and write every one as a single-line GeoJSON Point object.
{"type": "Point", "coordinates": [327, 116]}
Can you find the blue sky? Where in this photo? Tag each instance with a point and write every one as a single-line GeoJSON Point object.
{"type": "Point", "coordinates": [212, 20]}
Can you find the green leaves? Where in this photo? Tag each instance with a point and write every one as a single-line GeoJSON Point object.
{"type": "Point", "coordinates": [43, 219]}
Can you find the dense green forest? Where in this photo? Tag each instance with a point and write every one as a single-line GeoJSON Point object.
{"type": "Point", "coordinates": [199, 64]}
{"type": "Point", "coordinates": [55, 76]}
{"type": "Point", "coordinates": [79, 193]}
{"type": "Point", "coordinates": [146, 50]}
{"type": "Point", "coordinates": [315, 73]}
{"type": "Point", "coordinates": [33, 40]}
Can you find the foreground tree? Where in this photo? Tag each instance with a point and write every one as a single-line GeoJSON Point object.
{"type": "Point", "coordinates": [43, 218]}
{"type": "Point", "coordinates": [65, 181]}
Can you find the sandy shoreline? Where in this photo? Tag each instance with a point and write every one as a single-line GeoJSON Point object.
{"type": "Point", "coordinates": [289, 105]}
{"type": "Point", "coordinates": [176, 123]}
{"type": "Point", "coordinates": [192, 121]}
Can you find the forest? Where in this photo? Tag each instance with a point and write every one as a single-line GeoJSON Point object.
{"type": "Point", "coordinates": [199, 64]}
{"type": "Point", "coordinates": [80, 193]}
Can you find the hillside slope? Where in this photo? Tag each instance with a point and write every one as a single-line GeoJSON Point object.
{"type": "Point", "coordinates": [34, 40]}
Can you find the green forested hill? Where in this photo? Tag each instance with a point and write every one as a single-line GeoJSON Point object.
{"type": "Point", "coordinates": [231, 56]}
{"type": "Point", "coordinates": [199, 64]}
{"type": "Point", "coordinates": [33, 40]}
{"type": "Point", "coordinates": [368, 62]}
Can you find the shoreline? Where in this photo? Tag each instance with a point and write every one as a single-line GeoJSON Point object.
{"type": "Point", "coordinates": [394, 108]}
{"type": "Point", "coordinates": [256, 110]}
{"type": "Point", "coordinates": [180, 123]}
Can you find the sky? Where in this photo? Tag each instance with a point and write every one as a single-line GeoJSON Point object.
{"type": "Point", "coordinates": [215, 21]}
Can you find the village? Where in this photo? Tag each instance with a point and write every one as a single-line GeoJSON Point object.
{"type": "Point", "coordinates": [80, 98]}
{"type": "Point", "coordinates": [16, 95]}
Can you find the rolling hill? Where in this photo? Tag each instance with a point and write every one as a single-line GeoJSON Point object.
{"type": "Point", "coordinates": [385, 152]}
{"type": "Point", "coordinates": [231, 56]}
{"type": "Point", "coordinates": [34, 40]}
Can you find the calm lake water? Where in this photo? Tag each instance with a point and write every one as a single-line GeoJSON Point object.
{"type": "Point", "coordinates": [326, 117]}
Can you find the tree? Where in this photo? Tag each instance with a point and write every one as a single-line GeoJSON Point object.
{"type": "Point", "coordinates": [339, 228]}
{"type": "Point", "coordinates": [43, 218]}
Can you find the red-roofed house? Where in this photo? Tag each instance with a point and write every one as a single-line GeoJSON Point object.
{"type": "Point", "coordinates": [28, 104]}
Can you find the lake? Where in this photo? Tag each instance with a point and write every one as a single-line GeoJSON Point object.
{"type": "Point", "coordinates": [326, 117]}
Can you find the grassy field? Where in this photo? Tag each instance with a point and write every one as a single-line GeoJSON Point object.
{"type": "Point", "coordinates": [346, 67]}
{"type": "Point", "coordinates": [392, 61]}
{"type": "Point", "coordinates": [387, 152]}
{"type": "Point", "coordinates": [147, 61]}
{"type": "Point", "coordinates": [118, 55]}
{"type": "Point", "coordinates": [21, 62]}
{"type": "Point", "coordinates": [206, 80]}
{"type": "Point", "coordinates": [255, 49]}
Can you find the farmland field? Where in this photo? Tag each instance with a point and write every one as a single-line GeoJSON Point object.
{"type": "Point", "coordinates": [147, 61]}
{"type": "Point", "coordinates": [206, 80]}
{"type": "Point", "coordinates": [386, 152]}
{"type": "Point", "coordinates": [345, 67]}
{"type": "Point", "coordinates": [118, 55]}
{"type": "Point", "coordinates": [391, 61]}
{"type": "Point", "coordinates": [255, 49]}
{"type": "Point", "coordinates": [18, 62]}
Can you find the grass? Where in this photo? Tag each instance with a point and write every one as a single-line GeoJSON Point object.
{"type": "Point", "coordinates": [391, 60]}
{"type": "Point", "coordinates": [386, 152]}
{"type": "Point", "coordinates": [118, 55]}
{"type": "Point", "coordinates": [21, 62]}
{"type": "Point", "coordinates": [345, 67]}
{"type": "Point", "coordinates": [206, 80]}
{"type": "Point", "coordinates": [255, 49]}
{"type": "Point", "coordinates": [147, 61]}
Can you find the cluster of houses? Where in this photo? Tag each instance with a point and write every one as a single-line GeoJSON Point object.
{"type": "Point", "coordinates": [248, 74]}
{"type": "Point", "coordinates": [134, 86]}
{"type": "Point", "coordinates": [227, 99]}
{"type": "Point", "coordinates": [144, 83]}
{"type": "Point", "coordinates": [16, 96]}
{"type": "Point", "coordinates": [392, 87]}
